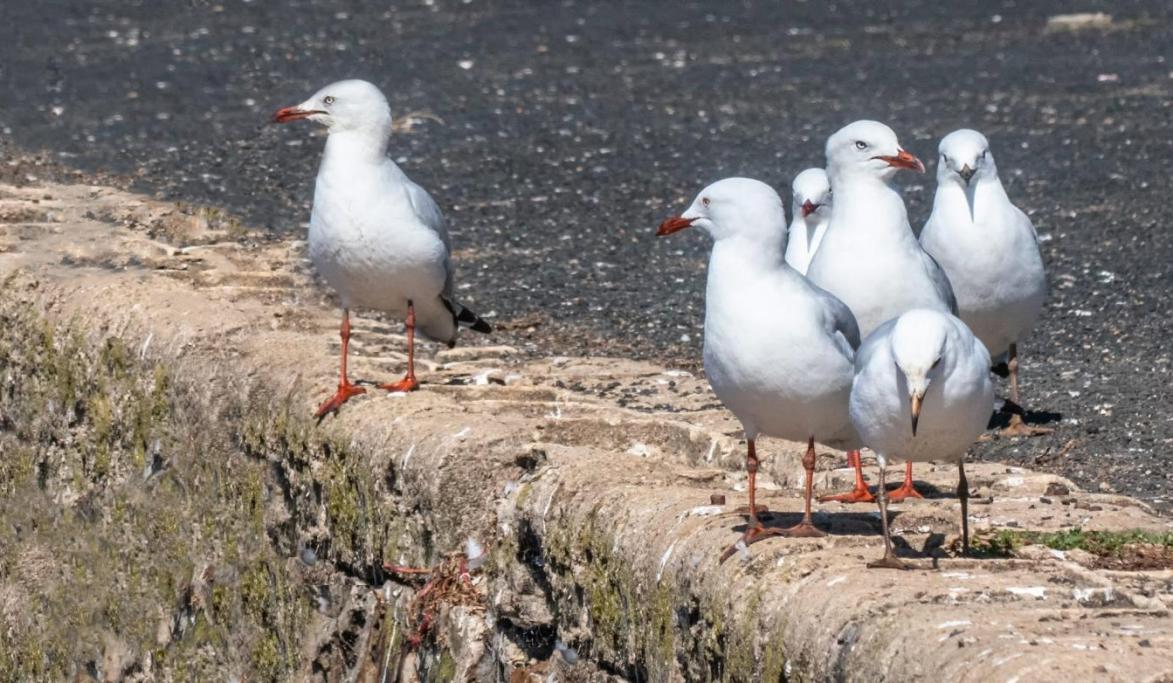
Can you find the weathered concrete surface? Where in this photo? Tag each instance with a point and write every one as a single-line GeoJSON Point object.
{"type": "Point", "coordinates": [588, 478]}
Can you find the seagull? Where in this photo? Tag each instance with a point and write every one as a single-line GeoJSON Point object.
{"type": "Point", "coordinates": [778, 351]}
{"type": "Point", "coordinates": [990, 250]}
{"type": "Point", "coordinates": [812, 206]}
{"type": "Point", "coordinates": [922, 392]}
{"type": "Point", "coordinates": [376, 237]}
{"type": "Point", "coordinates": [869, 257]}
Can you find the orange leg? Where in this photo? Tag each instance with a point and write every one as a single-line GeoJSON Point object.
{"type": "Point", "coordinates": [906, 490]}
{"type": "Point", "coordinates": [754, 531]}
{"type": "Point", "coordinates": [409, 382]}
{"type": "Point", "coordinates": [806, 528]}
{"type": "Point", "coordinates": [860, 493]}
{"type": "Point", "coordinates": [345, 389]}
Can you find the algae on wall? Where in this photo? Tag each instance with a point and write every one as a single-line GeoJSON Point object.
{"type": "Point", "coordinates": [134, 537]}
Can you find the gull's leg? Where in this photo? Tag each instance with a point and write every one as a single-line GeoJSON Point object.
{"type": "Point", "coordinates": [860, 493]}
{"type": "Point", "coordinates": [1018, 426]}
{"type": "Point", "coordinates": [754, 531]}
{"type": "Point", "coordinates": [889, 561]}
{"type": "Point", "coordinates": [806, 528]}
{"type": "Point", "coordinates": [906, 489]}
{"type": "Point", "coordinates": [963, 496]}
{"type": "Point", "coordinates": [345, 388]}
{"type": "Point", "coordinates": [409, 382]}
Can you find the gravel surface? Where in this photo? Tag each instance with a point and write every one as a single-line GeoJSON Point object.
{"type": "Point", "coordinates": [569, 130]}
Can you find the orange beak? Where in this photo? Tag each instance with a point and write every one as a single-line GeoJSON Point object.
{"type": "Point", "coordinates": [287, 114]}
{"type": "Point", "coordinates": [808, 208]}
{"type": "Point", "coordinates": [674, 224]}
{"type": "Point", "coordinates": [904, 160]}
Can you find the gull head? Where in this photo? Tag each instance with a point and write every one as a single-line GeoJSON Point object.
{"type": "Point", "coordinates": [733, 207]}
{"type": "Point", "coordinates": [868, 148]}
{"type": "Point", "coordinates": [965, 155]}
{"type": "Point", "coordinates": [812, 193]}
{"type": "Point", "coordinates": [918, 345]}
{"type": "Point", "coordinates": [343, 106]}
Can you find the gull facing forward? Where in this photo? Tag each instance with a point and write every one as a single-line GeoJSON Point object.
{"type": "Point", "coordinates": [778, 350]}
{"type": "Point", "coordinates": [869, 257]}
{"type": "Point", "coordinates": [812, 208]}
{"type": "Point", "coordinates": [922, 392]}
{"type": "Point", "coordinates": [990, 250]}
{"type": "Point", "coordinates": [376, 237]}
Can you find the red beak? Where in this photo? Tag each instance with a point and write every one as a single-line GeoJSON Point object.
{"type": "Point", "coordinates": [674, 224]}
{"type": "Point", "coordinates": [808, 208]}
{"type": "Point", "coordinates": [904, 160]}
{"type": "Point", "coordinates": [287, 114]}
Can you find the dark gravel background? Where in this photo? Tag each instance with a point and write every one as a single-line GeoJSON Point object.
{"type": "Point", "coordinates": [571, 128]}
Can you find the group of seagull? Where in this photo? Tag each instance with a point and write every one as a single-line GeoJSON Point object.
{"type": "Point", "coordinates": [841, 328]}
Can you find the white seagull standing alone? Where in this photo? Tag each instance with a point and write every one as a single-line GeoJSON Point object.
{"type": "Point", "coordinates": [922, 392]}
{"type": "Point", "coordinates": [812, 209]}
{"type": "Point", "coordinates": [778, 350]}
{"type": "Point", "coordinates": [869, 257]}
{"type": "Point", "coordinates": [376, 237]}
{"type": "Point", "coordinates": [990, 251]}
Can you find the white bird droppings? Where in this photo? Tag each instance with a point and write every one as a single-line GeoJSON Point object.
{"type": "Point", "coordinates": [955, 623]}
{"type": "Point", "coordinates": [1036, 592]}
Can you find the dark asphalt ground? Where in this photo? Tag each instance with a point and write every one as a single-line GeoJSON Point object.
{"type": "Point", "coordinates": [571, 129]}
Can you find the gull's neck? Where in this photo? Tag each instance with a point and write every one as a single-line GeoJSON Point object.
{"type": "Point", "coordinates": [738, 253]}
{"type": "Point", "coordinates": [989, 198]}
{"type": "Point", "coordinates": [349, 148]}
{"type": "Point", "coordinates": [867, 203]}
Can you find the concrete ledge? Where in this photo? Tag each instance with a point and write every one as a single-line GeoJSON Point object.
{"type": "Point", "coordinates": [588, 478]}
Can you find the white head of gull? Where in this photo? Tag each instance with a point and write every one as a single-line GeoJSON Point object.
{"type": "Point", "coordinates": [812, 208]}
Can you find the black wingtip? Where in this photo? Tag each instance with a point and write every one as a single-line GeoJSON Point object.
{"type": "Point", "coordinates": [1001, 369]}
{"type": "Point", "coordinates": [473, 321]}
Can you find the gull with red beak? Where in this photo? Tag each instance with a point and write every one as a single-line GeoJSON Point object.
{"type": "Point", "coordinates": [376, 237]}
{"type": "Point", "coordinates": [990, 250]}
{"type": "Point", "coordinates": [921, 392]}
{"type": "Point", "coordinates": [869, 257]}
{"type": "Point", "coordinates": [778, 350]}
{"type": "Point", "coordinates": [812, 208]}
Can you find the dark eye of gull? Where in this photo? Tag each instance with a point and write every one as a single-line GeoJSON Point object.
{"type": "Point", "coordinates": [328, 99]}
{"type": "Point", "coordinates": [861, 145]}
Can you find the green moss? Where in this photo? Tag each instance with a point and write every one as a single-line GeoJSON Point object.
{"type": "Point", "coordinates": [659, 650]}
{"type": "Point", "coordinates": [85, 415]}
{"type": "Point", "coordinates": [266, 658]}
{"type": "Point", "coordinates": [445, 670]}
{"type": "Point", "coordinates": [740, 651]}
{"type": "Point", "coordinates": [1005, 542]}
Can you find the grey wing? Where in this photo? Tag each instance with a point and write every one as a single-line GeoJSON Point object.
{"type": "Point", "coordinates": [841, 318]}
{"type": "Point", "coordinates": [429, 213]}
{"type": "Point", "coordinates": [1023, 218]}
{"type": "Point", "coordinates": [425, 207]}
{"type": "Point", "coordinates": [873, 344]}
{"type": "Point", "coordinates": [940, 281]}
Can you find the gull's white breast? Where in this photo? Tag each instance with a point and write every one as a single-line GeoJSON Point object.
{"type": "Point", "coordinates": [369, 244]}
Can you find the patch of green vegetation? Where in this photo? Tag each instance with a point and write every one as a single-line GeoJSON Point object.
{"type": "Point", "coordinates": [636, 623]}
{"type": "Point", "coordinates": [1006, 542]}
{"type": "Point", "coordinates": [96, 546]}
{"type": "Point", "coordinates": [445, 670]}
